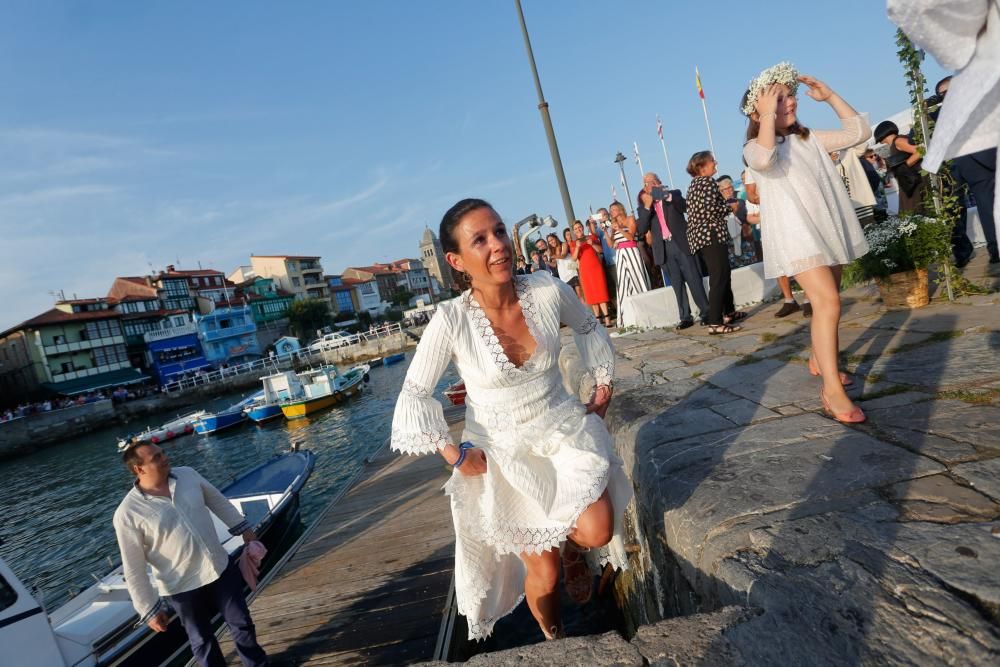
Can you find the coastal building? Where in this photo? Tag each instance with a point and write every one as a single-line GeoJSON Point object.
{"type": "Point", "coordinates": [341, 296]}
{"type": "Point", "coordinates": [432, 255]}
{"type": "Point", "coordinates": [228, 335]}
{"type": "Point", "coordinates": [76, 347]}
{"type": "Point", "coordinates": [174, 350]}
{"type": "Point", "coordinates": [407, 275]}
{"type": "Point", "coordinates": [241, 274]}
{"type": "Point", "coordinates": [299, 275]}
{"type": "Point", "coordinates": [366, 296]}
{"type": "Point", "coordinates": [171, 289]}
{"type": "Point", "coordinates": [385, 279]}
{"type": "Point", "coordinates": [208, 285]}
{"type": "Point", "coordinates": [268, 302]}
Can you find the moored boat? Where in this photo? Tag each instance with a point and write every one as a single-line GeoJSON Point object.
{"type": "Point", "coordinates": [393, 358]}
{"type": "Point", "coordinates": [212, 422]}
{"type": "Point", "coordinates": [276, 388]}
{"type": "Point", "coordinates": [99, 626]}
{"type": "Point", "coordinates": [456, 393]}
{"type": "Point", "coordinates": [322, 388]}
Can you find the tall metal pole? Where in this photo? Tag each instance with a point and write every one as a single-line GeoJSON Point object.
{"type": "Point", "coordinates": [543, 108]}
{"type": "Point", "coordinates": [620, 159]}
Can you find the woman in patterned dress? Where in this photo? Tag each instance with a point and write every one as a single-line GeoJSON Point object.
{"type": "Point", "coordinates": [536, 469]}
{"type": "Point", "coordinates": [708, 235]}
{"type": "Point", "coordinates": [629, 267]}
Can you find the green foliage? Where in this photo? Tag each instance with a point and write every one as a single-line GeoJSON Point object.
{"type": "Point", "coordinates": [393, 315]}
{"type": "Point", "coordinates": [902, 243]}
{"type": "Point", "coordinates": [402, 297]}
{"type": "Point", "coordinates": [305, 316]}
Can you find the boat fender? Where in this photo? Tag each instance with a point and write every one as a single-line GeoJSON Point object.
{"type": "Point", "coordinates": [367, 377]}
{"type": "Point", "coordinates": [155, 439]}
{"type": "Point", "coordinates": [170, 435]}
{"type": "Point", "coordinates": [188, 428]}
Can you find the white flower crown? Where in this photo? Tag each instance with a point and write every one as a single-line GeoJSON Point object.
{"type": "Point", "coordinates": [783, 72]}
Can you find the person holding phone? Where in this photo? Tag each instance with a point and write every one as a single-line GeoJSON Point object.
{"type": "Point", "coordinates": [661, 216]}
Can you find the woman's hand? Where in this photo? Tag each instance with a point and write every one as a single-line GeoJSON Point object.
{"type": "Point", "coordinates": [474, 463]}
{"type": "Point", "coordinates": [818, 90]}
{"type": "Point", "coordinates": [767, 101]}
{"type": "Point", "coordinates": [600, 400]}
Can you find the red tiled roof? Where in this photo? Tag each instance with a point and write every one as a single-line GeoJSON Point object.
{"type": "Point", "coordinates": [127, 286]}
{"type": "Point", "coordinates": [56, 316]}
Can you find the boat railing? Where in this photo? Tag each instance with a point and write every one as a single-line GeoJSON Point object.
{"type": "Point", "coordinates": [273, 363]}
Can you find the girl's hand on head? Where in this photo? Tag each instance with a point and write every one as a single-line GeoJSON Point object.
{"type": "Point", "coordinates": [767, 101]}
{"type": "Point", "coordinates": [818, 90]}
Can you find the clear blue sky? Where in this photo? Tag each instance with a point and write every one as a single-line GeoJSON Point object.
{"type": "Point", "coordinates": [137, 134]}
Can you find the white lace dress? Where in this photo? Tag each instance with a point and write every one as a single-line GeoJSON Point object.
{"type": "Point", "coordinates": [807, 219]}
{"type": "Point", "coordinates": [546, 459]}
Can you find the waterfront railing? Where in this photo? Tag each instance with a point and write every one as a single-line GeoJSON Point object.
{"type": "Point", "coordinates": [276, 361]}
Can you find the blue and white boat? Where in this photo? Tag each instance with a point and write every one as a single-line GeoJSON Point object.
{"type": "Point", "coordinates": [211, 422]}
{"type": "Point", "coordinates": [277, 388]}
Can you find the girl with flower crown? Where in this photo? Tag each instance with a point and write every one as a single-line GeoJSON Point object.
{"type": "Point", "coordinates": [809, 229]}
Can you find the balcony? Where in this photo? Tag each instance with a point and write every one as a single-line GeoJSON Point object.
{"type": "Point", "coordinates": [172, 332]}
{"type": "Point", "coordinates": [228, 332]}
{"type": "Point", "coordinates": [87, 372]}
{"type": "Point", "coordinates": [81, 345]}
{"type": "Point", "coordinates": [309, 267]}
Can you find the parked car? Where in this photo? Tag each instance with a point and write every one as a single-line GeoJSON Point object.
{"type": "Point", "coordinates": [332, 341]}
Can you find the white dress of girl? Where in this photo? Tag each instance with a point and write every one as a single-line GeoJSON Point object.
{"type": "Point", "coordinates": [547, 460]}
{"type": "Point", "coordinates": [807, 219]}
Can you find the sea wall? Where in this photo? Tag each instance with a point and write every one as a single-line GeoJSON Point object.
{"type": "Point", "coordinates": [27, 433]}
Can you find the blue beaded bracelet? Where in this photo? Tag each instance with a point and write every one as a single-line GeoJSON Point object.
{"type": "Point", "coordinates": [462, 449]}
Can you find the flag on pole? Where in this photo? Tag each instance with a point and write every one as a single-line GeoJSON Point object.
{"type": "Point", "coordinates": [614, 194]}
{"type": "Point", "coordinates": [659, 127]}
{"type": "Point", "coordinates": [635, 147]}
{"type": "Point", "coordinates": [621, 179]}
{"type": "Point", "coordinates": [697, 80]}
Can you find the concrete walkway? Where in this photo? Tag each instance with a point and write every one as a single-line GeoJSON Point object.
{"type": "Point", "coordinates": [876, 543]}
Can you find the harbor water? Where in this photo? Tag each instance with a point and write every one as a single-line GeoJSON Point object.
{"type": "Point", "coordinates": [56, 504]}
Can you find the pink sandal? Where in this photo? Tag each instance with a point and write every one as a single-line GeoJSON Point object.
{"type": "Point", "coordinates": [845, 379]}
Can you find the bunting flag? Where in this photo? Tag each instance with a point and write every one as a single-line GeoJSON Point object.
{"type": "Point", "coordinates": [697, 81]}
{"type": "Point", "coordinates": [659, 127]}
{"type": "Point", "coordinates": [635, 147]}
{"type": "Point", "coordinates": [614, 194]}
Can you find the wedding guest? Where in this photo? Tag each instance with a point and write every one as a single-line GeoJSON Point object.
{"type": "Point", "coordinates": [586, 250]}
{"type": "Point", "coordinates": [708, 235]}
{"type": "Point", "coordinates": [809, 228]}
{"type": "Point", "coordinates": [904, 163]}
{"type": "Point", "coordinates": [632, 277]}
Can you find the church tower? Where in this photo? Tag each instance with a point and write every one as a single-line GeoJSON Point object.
{"type": "Point", "coordinates": [432, 256]}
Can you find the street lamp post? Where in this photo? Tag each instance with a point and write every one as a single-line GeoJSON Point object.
{"type": "Point", "coordinates": [620, 159]}
{"type": "Point", "coordinates": [543, 108]}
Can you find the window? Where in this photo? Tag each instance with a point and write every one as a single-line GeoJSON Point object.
{"type": "Point", "coordinates": [218, 280]}
{"type": "Point", "coordinates": [58, 339]}
{"type": "Point", "coordinates": [344, 303]}
{"type": "Point", "coordinates": [179, 321]}
{"type": "Point", "coordinates": [296, 282]}
{"type": "Point", "coordinates": [67, 366]}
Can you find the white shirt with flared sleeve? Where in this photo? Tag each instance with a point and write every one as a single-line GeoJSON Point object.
{"type": "Point", "coordinates": [547, 460]}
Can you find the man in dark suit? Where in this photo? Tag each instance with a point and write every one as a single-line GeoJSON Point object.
{"type": "Point", "coordinates": [666, 224]}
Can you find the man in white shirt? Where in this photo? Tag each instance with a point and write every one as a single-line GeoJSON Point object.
{"type": "Point", "coordinates": [164, 524]}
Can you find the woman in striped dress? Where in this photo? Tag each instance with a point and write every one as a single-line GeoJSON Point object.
{"type": "Point", "coordinates": [630, 271]}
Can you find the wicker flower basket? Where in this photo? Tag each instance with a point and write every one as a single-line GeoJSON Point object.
{"type": "Point", "coordinates": [904, 290]}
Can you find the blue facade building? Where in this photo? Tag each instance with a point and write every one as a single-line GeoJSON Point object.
{"type": "Point", "coordinates": [172, 355]}
{"type": "Point", "coordinates": [228, 336]}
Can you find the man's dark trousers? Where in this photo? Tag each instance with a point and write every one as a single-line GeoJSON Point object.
{"type": "Point", "coordinates": [682, 271]}
{"type": "Point", "coordinates": [224, 595]}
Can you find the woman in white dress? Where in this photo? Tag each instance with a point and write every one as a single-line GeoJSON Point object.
{"type": "Point", "coordinates": [536, 468]}
{"type": "Point", "coordinates": [808, 225]}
